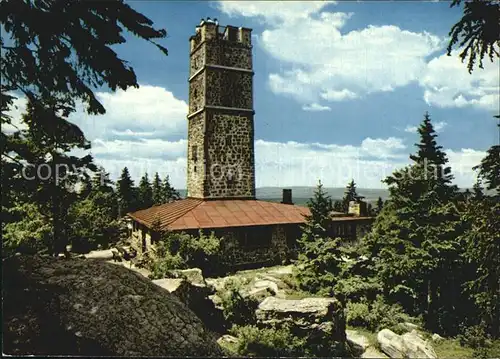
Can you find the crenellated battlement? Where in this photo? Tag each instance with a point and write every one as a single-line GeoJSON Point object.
{"type": "Point", "coordinates": [209, 30]}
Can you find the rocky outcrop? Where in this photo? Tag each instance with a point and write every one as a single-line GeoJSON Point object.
{"type": "Point", "coordinates": [408, 345]}
{"type": "Point", "coordinates": [91, 307]}
{"type": "Point", "coordinates": [196, 297]}
{"type": "Point", "coordinates": [320, 320]}
{"type": "Point", "coordinates": [373, 353]}
{"type": "Point", "coordinates": [358, 342]}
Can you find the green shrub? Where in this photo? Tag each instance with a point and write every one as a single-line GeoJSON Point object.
{"type": "Point", "coordinates": [376, 315]}
{"type": "Point", "coordinates": [253, 341]}
{"type": "Point", "coordinates": [161, 267]}
{"type": "Point", "coordinates": [238, 310]}
{"type": "Point", "coordinates": [356, 288]}
{"type": "Point", "coordinates": [180, 251]}
{"type": "Point", "coordinates": [475, 337]}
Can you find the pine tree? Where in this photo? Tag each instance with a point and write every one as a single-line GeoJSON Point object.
{"type": "Point", "coordinates": [338, 207]}
{"type": "Point", "coordinates": [477, 191]}
{"type": "Point", "coordinates": [318, 263]}
{"type": "Point", "coordinates": [145, 192]}
{"type": "Point", "coordinates": [414, 242]}
{"type": "Point", "coordinates": [158, 190]}
{"type": "Point", "coordinates": [380, 205]}
{"type": "Point", "coordinates": [169, 192]}
{"type": "Point", "coordinates": [350, 195]}
{"type": "Point", "coordinates": [489, 169]}
{"type": "Point", "coordinates": [126, 193]}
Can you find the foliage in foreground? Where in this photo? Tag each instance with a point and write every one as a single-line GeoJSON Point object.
{"type": "Point", "coordinates": [181, 250]}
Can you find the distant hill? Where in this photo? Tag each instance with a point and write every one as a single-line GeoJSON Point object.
{"type": "Point", "coordinates": [300, 195]}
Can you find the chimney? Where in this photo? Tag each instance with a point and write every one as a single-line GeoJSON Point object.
{"type": "Point", "coordinates": [287, 196]}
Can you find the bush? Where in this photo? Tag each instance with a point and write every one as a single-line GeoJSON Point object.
{"type": "Point", "coordinates": [180, 251]}
{"type": "Point", "coordinates": [473, 337]}
{"type": "Point", "coordinates": [376, 315]}
{"type": "Point", "coordinates": [357, 288]}
{"type": "Point", "coordinates": [266, 342]}
{"type": "Point", "coordinates": [161, 267]}
{"type": "Point", "coordinates": [238, 310]}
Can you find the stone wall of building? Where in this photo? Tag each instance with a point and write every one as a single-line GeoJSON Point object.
{"type": "Point", "coordinates": [230, 155]}
{"type": "Point", "coordinates": [271, 249]}
{"type": "Point", "coordinates": [196, 156]}
{"type": "Point", "coordinates": [226, 53]}
{"type": "Point", "coordinates": [140, 238]}
{"type": "Point", "coordinates": [197, 93]}
{"type": "Point", "coordinates": [221, 136]}
{"type": "Point", "coordinates": [197, 60]}
{"type": "Point", "coordinates": [229, 89]}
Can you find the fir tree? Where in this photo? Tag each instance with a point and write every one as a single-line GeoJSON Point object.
{"type": "Point", "coordinates": [158, 190]}
{"type": "Point", "coordinates": [318, 262]}
{"type": "Point", "coordinates": [489, 169]}
{"type": "Point", "coordinates": [145, 192]}
{"type": "Point", "coordinates": [338, 207]}
{"type": "Point", "coordinates": [170, 194]}
{"type": "Point", "coordinates": [350, 195]}
{"type": "Point", "coordinates": [126, 193]}
{"type": "Point", "coordinates": [414, 242]}
{"type": "Point", "coordinates": [380, 205]}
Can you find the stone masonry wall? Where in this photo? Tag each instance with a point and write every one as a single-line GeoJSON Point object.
{"type": "Point", "coordinates": [197, 93]}
{"type": "Point", "coordinates": [197, 60]}
{"type": "Point", "coordinates": [232, 54]}
{"type": "Point", "coordinates": [196, 145]}
{"type": "Point", "coordinates": [230, 156]}
{"type": "Point", "coordinates": [274, 252]}
{"type": "Point", "coordinates": [223, 137]}
{"type": "Point", "coordinates": [229, 89]}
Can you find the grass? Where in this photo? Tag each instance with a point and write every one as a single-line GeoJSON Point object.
{"type": "Point", "coordinates": [451, 348]}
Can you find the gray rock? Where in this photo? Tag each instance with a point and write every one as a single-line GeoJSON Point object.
{"type": "Point", "coordinates": [94, 308]}
{"type": "Point", "coordinates": [192, 275]}
{"type": "Point", "coordinates": [417, 347]}
{"type": "Point", "coordinates": [410, 326]}
{"type": "Point", "coordinates": [373, 353]}
{"type": "Point", "coordinates": [391, 343]}
{"type": "Point", "coordinates": [357, 341]}
{"type": "Point", "coordinates": [198, 299]}
{"type": "Point", "coordinates": [320, 317]}
{"type": "Point", "coordinates": [408, 345]}
{"type": "Point", "coordinates": [226, 338]}
{"type": "Point", "coordinates": [106, 254]}
{"type": "Point", "coordinates": [436, 338]}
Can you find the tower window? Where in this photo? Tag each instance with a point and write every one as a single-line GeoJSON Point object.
{"type": "Point", "coordinates": [194, 153]}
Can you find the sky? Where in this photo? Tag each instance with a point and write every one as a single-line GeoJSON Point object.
{"type": "Point", "coordinates": [339, 90]}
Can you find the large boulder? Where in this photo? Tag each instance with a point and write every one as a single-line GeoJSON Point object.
{"type": "Point", "coordinates": [373, 353]}
{"type": "Point", "coordinates": [408, 345]}
{"type": "Point", "coordinates": [321, 320]}
{"type": "Point", "coordinates": [358, 342]}
{"type": "Point", "coordinates": [93, 308]}
{"type": "Point", "coordinates": [196, 297]}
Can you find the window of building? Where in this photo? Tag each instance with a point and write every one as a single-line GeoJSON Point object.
{"type": "Point", "coordinates": [194, 153]}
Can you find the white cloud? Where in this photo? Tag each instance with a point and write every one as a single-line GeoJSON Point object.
{"type": "Point", "coordinates": [315, 107]}
{"type": "Point", "coordinates": [333, 95]}
{"type": "Point", "coordinates": [148, 111]}
{"type": "Point", "coordinates": [321, 61]}
{"type": "Point", "coordinates": [411, 129]}
{"type": "Point", "coordinates": [447, 83]}
{"type": "Point", "coordinates": [271, 11]}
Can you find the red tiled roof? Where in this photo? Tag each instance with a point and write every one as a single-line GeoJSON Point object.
{"type": "Point", "coordinates": [196, 213]}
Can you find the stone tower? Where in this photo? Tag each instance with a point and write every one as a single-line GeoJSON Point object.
{"type": "Point", "coordinates": [220, 119]}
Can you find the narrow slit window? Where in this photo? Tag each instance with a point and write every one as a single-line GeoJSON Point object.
{"type": "Point", "coordinates": [194, 153]}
